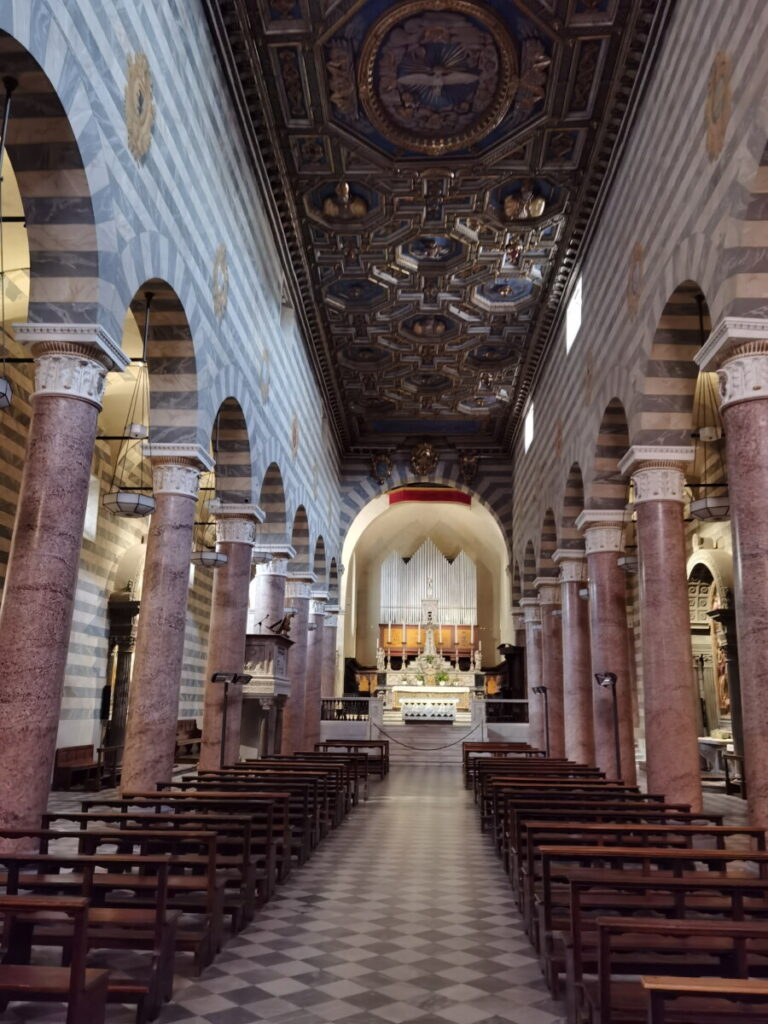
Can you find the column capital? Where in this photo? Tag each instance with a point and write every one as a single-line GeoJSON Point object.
{"type": "Point", "coordinates": [235, 523]}
{"type": "Point", "coordinates": [573, 565]}
{"type": "Point", "coordinates": [274, 567]}
{"type": "Point", "coordinates": [297, 585]}
{"type": "Point", "coordinates": [316, 605]}
{"type": "Point", "coordinates": [176, 468]}
{"type": "Point", "coordinates": [71, 360]}
{"type": "Point", "coordinates": [548, 588]}
{"type": "Point", "coordinates": [531, 609]}
{"type": "Point", "coordinates": [271, 551]}
{"type": "Point", "coordinates": [75, 339]}
{"type": "Point", "coordinates": [518, 619]}
{"type": "Point", "coordinates": [737, 349]}
{"type": "Point", "coordinates": [658, 471]}
{"type": "Point", "coordinates": [603, 529]}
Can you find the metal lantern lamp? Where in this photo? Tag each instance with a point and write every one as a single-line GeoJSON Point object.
{"type": "Point", "coordinates": [228, 679]}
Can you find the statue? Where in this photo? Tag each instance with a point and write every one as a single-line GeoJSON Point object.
{"type": "Point", "coordinates": [429, 327]}
{"type": "Point", "coordinates": [283, 626]}
{"type": "Point", "coordinates": [380, 659]}
{"type": "Point", "coordinates": [343, 206]}
{"type": "Point", "coordinates": [477, 660]}
{"type": "Point", "coordinates": [525, 205]}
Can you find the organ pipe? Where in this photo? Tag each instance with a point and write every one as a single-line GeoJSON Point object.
{"type": "Point", "coordinates": [428, 574]}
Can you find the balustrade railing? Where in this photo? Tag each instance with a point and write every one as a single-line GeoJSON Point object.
{"type": "Point", "coordinates": [344, 709]}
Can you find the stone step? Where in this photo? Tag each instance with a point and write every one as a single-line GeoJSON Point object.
{"type": "Point", "coordinates": [420, 743]}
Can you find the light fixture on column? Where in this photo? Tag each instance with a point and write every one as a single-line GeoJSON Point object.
{"type": "Point", "coordinates": [204, 551]}
{"type": "Point", "coordinates": [128, 496]}
{"type": "Point", "coordinates": [608, 680]}
{"type": "Point", "coordinates": [6, 391]}
{"type": "Point", "coordinates": [708, 462]}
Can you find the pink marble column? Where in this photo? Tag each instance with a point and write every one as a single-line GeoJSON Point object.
{"type": "Point", "coordinates": [314, 673]}
{"type": "Point", "coordinates": [298, 595]}
{"type": "Point", "coordinates": [154, 696]}
{"type": "Point", "coordinates": [671, 744]}
{"type": "Point", "coordinates": [532, 613]}
{"type": "Point", "coordinates": [577, 658]}
{"type": "Point", "coordinates": [738, 350]}
{"type": "Point", "coordinates": [552, 660]}
{"type": "Point", "coordinates": [235, 535]}
{"type": "Point", "coordinates": [330, 639]}
{"type": "Point", "coordinates": [604, 542]}
{"type": "Point", "coordinates": [38, 598]}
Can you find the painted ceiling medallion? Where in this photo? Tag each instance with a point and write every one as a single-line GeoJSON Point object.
{"type": "Point", "coordinates": [139, 107]}
{"type": "Point", "coordinates": [381, 468]}
{"type": "Point", "coordinates": [437, 75]}
{"type": "Point", "coordinates": [423, 458]}
{"type": "Point", "coordinates": [220, 282]}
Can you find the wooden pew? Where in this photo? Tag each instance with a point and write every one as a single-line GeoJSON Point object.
{"type": "Point", "coordinates": [376, 750]}
{"type": "Point", "coordinates": [84, 990]}
{"type": "Point", "coordinates": [188, 739]}
{"type": "Point", "coordinates": [76, 765]}
{"type": "Point", "coordinates": [594, 891]}
{"type": "Point", "coordinates": [739, 948]}
{"type": "Point", "coordinates": [721, 1000]}
{"type": "Point", "coordinates": [475, 750]}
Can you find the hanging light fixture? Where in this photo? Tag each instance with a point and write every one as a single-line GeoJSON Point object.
{"type": "Point", "coordinates": [708, 463]}
{"type": "Point", "coordinates": [6, 391]}
{"type": "Point", "coordinates": [204, 551]}
{"type": "Point", "coordinates": [134, 501]}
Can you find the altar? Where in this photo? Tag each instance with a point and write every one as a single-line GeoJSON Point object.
{"type": "Point", "coordinates": [399, 695]}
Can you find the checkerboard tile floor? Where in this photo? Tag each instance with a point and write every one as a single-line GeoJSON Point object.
{"type": "Point", "coordinates": [402, 915]}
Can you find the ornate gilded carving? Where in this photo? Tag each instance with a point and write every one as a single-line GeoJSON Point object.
{"type": "Point", "coordinates": [220, 282]}
{"type": "Point", "coordinates": [381, 467]}
{"type": "Point", "coordinates": [343, 205]}
{"type": "Point", "coordinates": [469, 463]}
{"type": "Point", "coordinates": [139, 105]}
{"type": "Point", "coordinates": [717, 107]}
{"type": "Point", "coordinates": [435, 75]}
{"type": "Point", "coordinates": [290, 69]}
{"type": "Point", "coordinates": [635, 279]}
{"type": "Point", "coordinates": [524, 205]}
{"type": "Point", "coordinates": [341, 76]}
{"type": "Point", "coordinates": [423, 458]}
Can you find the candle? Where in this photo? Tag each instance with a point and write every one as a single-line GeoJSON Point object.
{"type": "Point", "coordinates": [389, 632]}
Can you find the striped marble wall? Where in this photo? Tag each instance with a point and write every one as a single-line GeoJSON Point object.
{"type": "Point", "coordinates": [185, 221]}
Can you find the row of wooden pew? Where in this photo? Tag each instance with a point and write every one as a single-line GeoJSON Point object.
{"type": "Point", "coordinates": [639, 910]}
{"type": "Point", "coordinates": [165, 872]}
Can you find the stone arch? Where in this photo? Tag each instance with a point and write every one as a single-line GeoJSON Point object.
{"type": "Point", "coordinates": [547, 545]}
{"type": "Point", "coordinates": [64, 282]}
{"type": "Point", "coordinates": [573, 504]}
{"type": "Point", "coordinates": [333, 583]}
{"type": "Point", "coordinates": [170, 356]}
{"type": "Point", "coordinates": [272, 503]}
{"type": "Point", "coordinates": [719, 563]}
{"type": "Point", "coordinates": [232, 454]}
{"type": "Point", "coordinates": [517, 589]}
{"type": "Point", "coordinates": [529, 571]}
{"type": "Point", "coordinates": [742, 260]}
{"type": "Point", "coordinates": [664, 407]}
{"type": "Point", "coordinates": [608, 489]}
{"type": "Point", "coordinates": [319, 565]}
{"type": "Point", "coordinates": [300, 542]}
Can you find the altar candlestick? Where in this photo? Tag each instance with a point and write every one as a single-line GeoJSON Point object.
{"type": "Point", "coordinates": [389, 633]}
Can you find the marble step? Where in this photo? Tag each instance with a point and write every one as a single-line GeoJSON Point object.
{"type": "Point", "coordinates": [418, 743]}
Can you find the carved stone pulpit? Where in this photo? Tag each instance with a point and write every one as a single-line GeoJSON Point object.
{"type": "Point", "coordinates": [266, 661]}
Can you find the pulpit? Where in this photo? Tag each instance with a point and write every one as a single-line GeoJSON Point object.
{"type": "Point", "coordinates": [266, 661]}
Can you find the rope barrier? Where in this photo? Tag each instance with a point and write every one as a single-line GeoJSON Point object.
{"type": "Point", "coordinates": [425, 750]}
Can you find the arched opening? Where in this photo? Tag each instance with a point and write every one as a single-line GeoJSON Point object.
{"type": "Point", "coordinates": [232, 454]}
{"type": "Point", "coordinates": [319, 566]}
{"type": "Point", "coordinates": [607, 487]}
{"type": "Point", "coordinates": [571, 538]}
{"type": "Point", "coordinates": [548, 546]}
{"type": "Point", "coordinates": [272, 503]}
{"type": "Point", "coordinates": [407, 557]}
{"type": "Point", "coordinates": [529, 571]}
{"type": "Point", "coordinates": [300, 563]}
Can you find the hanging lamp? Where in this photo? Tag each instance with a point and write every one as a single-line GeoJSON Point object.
{"type": "Point", "coordinates": [708, 463]}
{"type": "Point", "coordinates": [6, 390]}
{"type": "Point", "coordinates": [134, 501]}
{"type": "Point", "coordinates": [204, 551]}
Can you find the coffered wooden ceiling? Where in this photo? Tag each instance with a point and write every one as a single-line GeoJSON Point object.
{"type": "Point", "coordinates": [436, 168]}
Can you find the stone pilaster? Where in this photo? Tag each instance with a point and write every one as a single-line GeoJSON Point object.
{"type": "Point", "coordinates": [533, 675]}
{"type": "Point", "coordinates": [552, 659]}
{"type": "Point", "coordinates": [577, 664]}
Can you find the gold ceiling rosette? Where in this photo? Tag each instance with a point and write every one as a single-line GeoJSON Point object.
{"type": "Point", "coordinates": [437, 75]}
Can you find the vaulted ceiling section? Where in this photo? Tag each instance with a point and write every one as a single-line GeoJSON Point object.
{"type": "Point", "coordinates": [436, 168]}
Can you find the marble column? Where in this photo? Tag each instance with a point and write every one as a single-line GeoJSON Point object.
{"type": "Point", "coordinates": [298, 595]}
{"type": "Point", "coordinates": [577, 658]}
{"type": "Point", "coordinates": [267, 594]}
{"type": "Point", "coordinates": [532, 613]}
{"type": "Point", "coordinates": [738, 350]}
{"type": "Point", "coordinates": [314, 673]}
{"type": "Point", "coordinates": [609, 640]}
{"type": "Point", "coordinates": [552, 660]}
{"type": "Point", "coordinates": [153, 706]}
{"type": "Point", "coordinates": [235, 535]}
{"type": "Point", "coordinates": [38, 598]}
{"type": "Point", "coordinates": [330, 639]}
{"type": "Point", "coordinates": [671, 744]}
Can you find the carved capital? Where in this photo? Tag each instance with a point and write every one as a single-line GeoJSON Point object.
{"type": "Point", "coordinates": [548, 588]}
{"type": "Point", "coordinates": [531, 610]}
{"type": "Point", "coordinates": [331, 618]}
{"type": "Point", "coordinates": [275, 567]}
{"type": "Point", "coordinates": [572, 562]}
{"type": "Point", "coordinates": [235, 523]}
{"type": "Point", "coordinates": [737, 348]}
{"type": "Point", "coordinates": [317, 604]}
{"type": "Point", "coordinates": [89, 339]}
{"type": "Point", "coordinates": [518, 620]}
{"type": "Point", "coordinates": [603, 529]}
{"type": "Point", "coordinates": [297, 588]}
{"type": "Point", "coordinates": [270, 550]}
{"type": "Point", "coordinates": [657, 471]}
{"type": "Point", "coordinates": [176, 468]}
